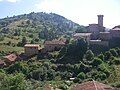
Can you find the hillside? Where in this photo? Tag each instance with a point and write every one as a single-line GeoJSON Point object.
{"type": "Point", "coordinates": [42, 25]}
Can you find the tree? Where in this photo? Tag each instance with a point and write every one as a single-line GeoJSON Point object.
{"type": "Point", "coordinates": [81, 75]}
{"type": "Point", "coordinates": [75, 50]}
{"type": "Point", "coordinates": [113, 52]}
{"type": "Point", "coordinates": [51, 74]}
{"type": "Point", "coordinates": [18, 67]}
{"type": "Point", "coordinates": [101, 76]}
{"type": "Point", "coordinates": [39, 74]}
{"type": "Point", "coordinates": [118, 51]}
{"type": "Point", "coordinates": [89, 56]}
{"type": "Point", "coordinates": [32, 42]}
{"type": "Point", "coordinates": [14, 82]}
{"type": "Point", "coordinates": [24, 41]}
{"type": "Point", "coordinates": [107, 55]}
{"type": "Point", "coordinates": [116, 61]}
{"type": "Point", "coordinates": [96, 62]}
{"type": "Point", "coordinates": [101, 56]}
{"type": "Point", "coordinates": [31, 35]}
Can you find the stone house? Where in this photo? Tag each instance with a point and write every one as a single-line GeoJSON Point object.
{"type": "Point", "coordinates": [31, 49]}
{"type": "Point", "coordinates": [104, 36]}
{"type": "Point", "coordinates": [115, 32]}
{"type": "Point", "coordinates": [53, 45]}
{"type": "Point", "coordinates": [99, 42]}
{"type": "Point", "coordinates": [9, 59]}
{"type": "Point", "coordinates": [87, 36]}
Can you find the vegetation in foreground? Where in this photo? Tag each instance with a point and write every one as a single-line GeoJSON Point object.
{"type": "Point", "coordinates": [35, 74]}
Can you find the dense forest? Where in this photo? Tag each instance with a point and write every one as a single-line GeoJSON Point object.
{"type": "Point", "coordinates": [34, 73]}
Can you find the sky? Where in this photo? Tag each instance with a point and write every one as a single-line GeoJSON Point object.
{"type": "Point", "coordinates": [83, 12]}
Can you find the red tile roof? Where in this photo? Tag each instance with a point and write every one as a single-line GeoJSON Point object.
{"type": "Point", "coordinates": [11, 57]}
{"type": "Point", "coordinates": [92, 85]}
{"type": "Point", "coordinates": [54, 42]}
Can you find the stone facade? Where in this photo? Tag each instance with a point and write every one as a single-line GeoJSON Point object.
{"type": "Point", "coordinates": [53, 45]}
{"type": "Point", "coordinates": [87, 36]}
{"type": "Point", "coordinates": [31, 49]}
{"type": "Point", "coordinates": [95, 29]}
{"type": "Point", "coordinates": [100, 20]}
{"type": "Point", "coordinates": [99, 42]}
{"type": "Point", "coordinates": [104, 36]}
{"type": "Point", "coordinates": [115, 32]}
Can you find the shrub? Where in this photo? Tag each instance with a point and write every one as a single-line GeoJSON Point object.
{"type": "Point", "coordinates": [116, 61]}
{"type": "Point", "coordinates": [81, 75]}
{"type": "Point", "coordinates": [96, 62]}
{"type": "Point", "coordinates": [113, 52]}
{"type": "Point", "coordinates": [63, 87]}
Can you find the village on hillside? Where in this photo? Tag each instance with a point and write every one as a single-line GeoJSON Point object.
{"type": "Point", "coordinates": [96, 35]}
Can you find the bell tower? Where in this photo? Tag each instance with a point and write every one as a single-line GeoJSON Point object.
{"type": "Point", "coordinates": [100, 20]}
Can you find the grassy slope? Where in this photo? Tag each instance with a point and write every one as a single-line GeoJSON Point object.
{"type": "Point", "coordinates": [7, 48]}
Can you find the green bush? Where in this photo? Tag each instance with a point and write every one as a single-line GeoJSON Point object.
{"type": "Point", "coordinates": [81, 75]}
{"type": "Point", "coordinates": [116, 61]}
{"type": "Point", "coordinates": [96, 62]}
{"type": "Point", "coordinates": [63, 87]}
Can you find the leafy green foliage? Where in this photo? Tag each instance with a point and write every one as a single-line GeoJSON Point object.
{"type": "Point", "coordinates": [43, 25]}
{"type": "Point", "coordinates": [14, 82]}
{"type": "Point", "coordinates": [81, 75]}
{"type": "Point", "coordinates": [75, 50]}
{"type": "Point", "coordinates": [96, 62]}
{"type": "Point", "coordinates": [18, 67]}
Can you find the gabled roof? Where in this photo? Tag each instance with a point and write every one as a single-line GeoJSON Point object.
{"type": "Point", "coordinates": [92, 85]}
{"type": "Point", "coordinates": [11, 57]}
{"type": "Point", "coordinates": [54, 42]}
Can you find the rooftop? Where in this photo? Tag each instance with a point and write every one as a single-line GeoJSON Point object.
{"type": "Point", "coordinates": [95, 40]}
{"type": "Point", "coordinates": [31, 45]}
{"type": "Point", "coordinates": [116, 28]}
{"type": "Point", "coordinates": [11, 57]}
{"type": "Point", "coordinates": [82, 34]}
{"type": "Point", "coordinates": [92, 85]}
{"type": "Point", "coordinates": [105, 32]}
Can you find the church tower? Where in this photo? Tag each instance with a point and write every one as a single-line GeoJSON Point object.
{"type": "Point", "coordinates": [100, 20]}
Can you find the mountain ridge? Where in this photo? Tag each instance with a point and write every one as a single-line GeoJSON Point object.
{"type": "Point", "coordinates": [40, 22]}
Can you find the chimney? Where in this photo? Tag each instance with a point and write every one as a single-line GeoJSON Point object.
{"type": "Point", "coordinates": [100, 20]}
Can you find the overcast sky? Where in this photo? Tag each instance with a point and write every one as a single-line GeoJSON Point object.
{"type": "Point", "coordinates": [82, 12]}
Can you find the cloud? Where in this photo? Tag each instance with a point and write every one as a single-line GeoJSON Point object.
{"type": "Point", "coordinates": [13, 1]}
